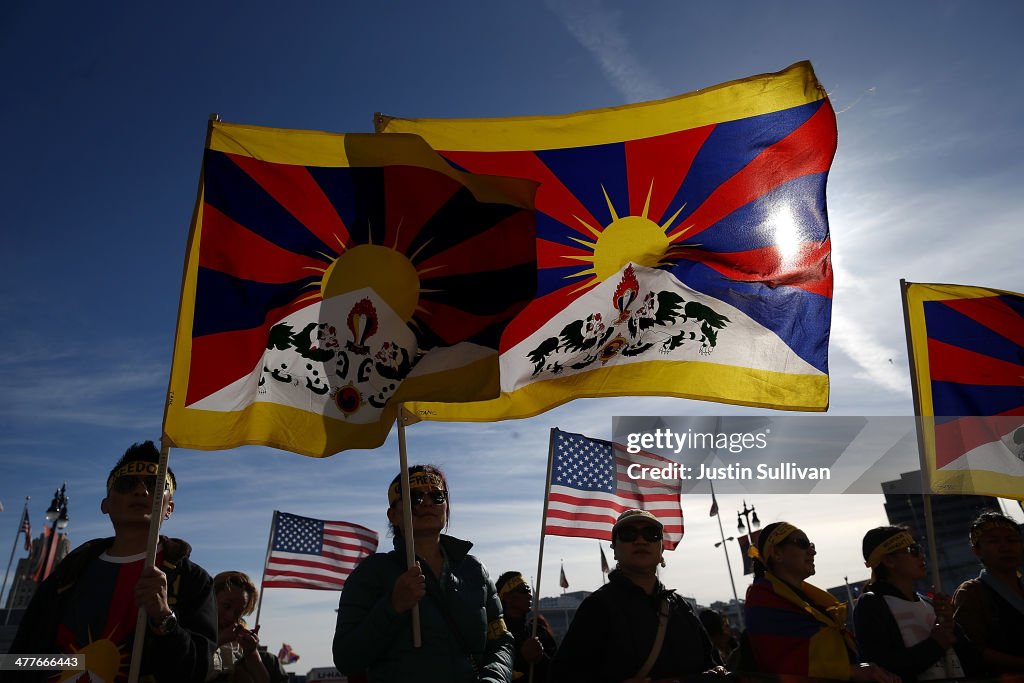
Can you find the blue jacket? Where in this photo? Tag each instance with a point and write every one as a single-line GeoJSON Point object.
{"type": "Point", "coordinates": [370, 636]}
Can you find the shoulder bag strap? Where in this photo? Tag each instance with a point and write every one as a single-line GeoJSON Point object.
{"type": "Point", "coordinates": [659, 641]}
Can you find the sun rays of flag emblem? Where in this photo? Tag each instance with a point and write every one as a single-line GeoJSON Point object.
{"type": "Point", "coordinates": [331, 277]}
{"type": "Point", "coordinates": [683, 246]}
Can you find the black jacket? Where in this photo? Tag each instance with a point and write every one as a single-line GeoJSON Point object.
{"type": "Point", "coordinates": [613, 632]}
{"type": "Point", "coordinates": [181, 656]}
{"type": "Point", "coordinates": [880, 641]}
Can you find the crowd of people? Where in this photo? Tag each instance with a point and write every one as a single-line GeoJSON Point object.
{"type": "Point", "coordinates": [633, 629]}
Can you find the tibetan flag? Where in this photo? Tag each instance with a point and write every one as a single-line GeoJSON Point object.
{"type": "Point", "coordinates": [683, 247]}
{"type": "Point", "coordinates": [968, 353]}
{"type": "Point", "coordinates": [331, 277]}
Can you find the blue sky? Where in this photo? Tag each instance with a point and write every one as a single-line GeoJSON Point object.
{"type": "Point", "coordinates": [106, 108]}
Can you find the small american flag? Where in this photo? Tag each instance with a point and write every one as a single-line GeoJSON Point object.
{"type": "Point", "coordinates": [26, 527]}
{"type": "Point", "coordinates": [315, 553]}
{"type": "Point", "coordinates": [590, 486]}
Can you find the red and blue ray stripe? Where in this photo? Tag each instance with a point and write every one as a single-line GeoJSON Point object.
{"type": "Point", "coordinates": [728, 182]}
{"type": "Point", "coordinates": [270, 230]}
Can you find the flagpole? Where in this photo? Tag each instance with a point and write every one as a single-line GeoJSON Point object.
{"type": "Point", "coordinates": [155, 518]}
{"type": "Point", "coordinates": [14, 548]}
{"type": "Point", "coordinates": [410, 544]}
{"type": "Point", "coordinates": [540, 553]}
{"type": "Point", "coordinates": [266, 560]}
{"type": "Point", "coordinates": [926, 474]}
{"type": "Point", "coordinates": [604, 562]}
{"type": "Point", "coordinates": [728, 564]}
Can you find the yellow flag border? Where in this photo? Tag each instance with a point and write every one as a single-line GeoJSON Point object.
{"type": "Point", "coordinates": [753, 96]}
{"type": "Point", "coordinates": [802, 392]}
{"type": "Point", "coordinates": [980, 482]}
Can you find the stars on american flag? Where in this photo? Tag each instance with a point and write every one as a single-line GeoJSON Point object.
{"type": "Point", "coordinates": [584, 464]}
{"type": "Point", "coordinates": [299, 535]}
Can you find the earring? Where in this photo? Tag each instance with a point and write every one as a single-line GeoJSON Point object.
{"type": "Point", "coordinates": [663, 561]}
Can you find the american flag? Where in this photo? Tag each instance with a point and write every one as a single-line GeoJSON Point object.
{"type": "Point", "coordinates": [315, 553]}
{"type": "Point", "coordinates": [590, 487]}
{"type": "Point", "coordinates": [26, 527]}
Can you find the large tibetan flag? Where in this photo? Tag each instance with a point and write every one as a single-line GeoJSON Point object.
{"type": "Point", "coordinates": [329, 278]}
{"type": "Point", "coordinates": [968, 353]}
{"type": "Point", "coordinates": [682, 245]}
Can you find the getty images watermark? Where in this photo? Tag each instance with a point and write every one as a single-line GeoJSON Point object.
{"type": "Point", "coordinates": [806, 454]}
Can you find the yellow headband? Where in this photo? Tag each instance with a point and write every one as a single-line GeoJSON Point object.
{"type": "Point", "coordinates": [513, 583]}
{"type": "Point", "coordinates": [417, 480]}
{"type": "Point", "coordinates": [774, 538]}
{"type": "Point", "coordinates": [890, 545]}
{"type": "Point", "coordinates": [989, 526]}
{"type": "Point", "coordinates": [139, 468]}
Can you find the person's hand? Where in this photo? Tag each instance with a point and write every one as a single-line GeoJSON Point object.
{"type": "Point", "coordinates": [151, 594]}
{"type": "Point", "coordinates": [228, 634]}
{"type": "Point", "coordinates": [248, 640]}
{"type": "Point", "coordinates": [943, 607]}
{"type": "Point", "coordinates": [409, 589]}
{"type": "Point", "coordinates": [943, 634]}
{"type": "Point", "coordinates": [531, 650]}
{"type": "Point", "coordinates": [868, 673]}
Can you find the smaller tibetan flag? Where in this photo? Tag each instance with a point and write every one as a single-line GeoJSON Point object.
{"type": "Point", "coordinates": [967, 345]}
{"type": "Point", "coordinates": [748, 565]}
{"type": "Point", "coordinates": [315, 553]}
{"type": "Point", "coordinates": [330, 278]}
{"type": "Point", "coordinates": [562, 581]}
{"type": "Point", "coordinates": [287, 655]}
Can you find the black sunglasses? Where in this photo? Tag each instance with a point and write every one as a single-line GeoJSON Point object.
{"type": "Point", "coordinates": [436, 497]}
{"type": "Point", "coordinates": [801, 543]}
{"type": "Point", "coordinates": [628, 534]}
{"type": "Point", "coordinates": [126, 483]}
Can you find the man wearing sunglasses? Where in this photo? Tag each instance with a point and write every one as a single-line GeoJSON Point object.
{"type": "Point", "coordinates": [464, 638]}
{"type": "Point", "coordinates": [89, 605]}
{"type": "Point", "coordinates": [614, 637]}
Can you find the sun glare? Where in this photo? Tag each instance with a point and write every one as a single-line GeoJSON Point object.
{"type": "Point", "coordinates": [785, 234]}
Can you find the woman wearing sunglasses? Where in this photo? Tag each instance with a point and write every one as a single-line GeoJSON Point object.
{"type": "Point", "coordinates": [896, 627]}
{"type": "Point", "coordinates": [633, 629]}
{"type": "Point", "coordinates": [792, 626]}
{"type": "Point", "coordinates": [463, 636]}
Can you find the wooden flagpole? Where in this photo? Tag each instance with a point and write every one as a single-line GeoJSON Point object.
{"type": "Point", "coordinates": [926, 474]}
{"type": "Point", "coordinates": [155, 518]}
{"type": "Point", "coordinates": [410, 541]}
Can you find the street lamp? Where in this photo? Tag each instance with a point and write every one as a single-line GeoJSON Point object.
{"type": "Point", "coordinates": [753, 522]}
{"type": "Point", "coordinates": [731, 538]}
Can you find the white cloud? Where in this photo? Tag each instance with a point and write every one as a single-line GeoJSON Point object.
{"type": "Point", "coordinates": [598, 29]}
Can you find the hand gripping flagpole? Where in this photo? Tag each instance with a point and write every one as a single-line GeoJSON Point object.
{"type": "Point", "coordinates": [540, 553]}
{"type": "Point", "coordinates": [155, 517]}
{"type": "Point", "coordinates": [926, 473]}
{"type": "Point", "coordinates": [410, 541]}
